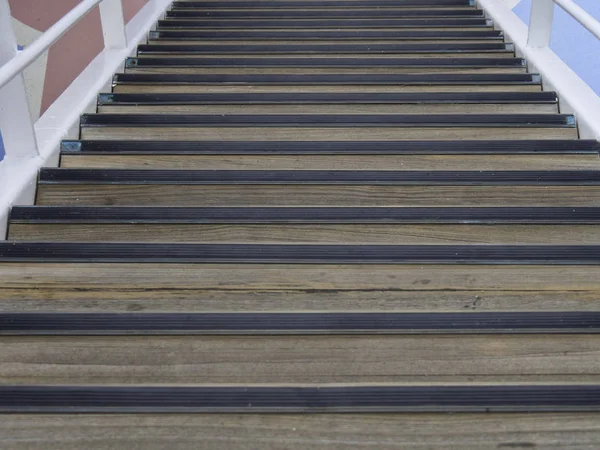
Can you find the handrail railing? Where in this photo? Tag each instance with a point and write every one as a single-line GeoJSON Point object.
{"type": "Point", "coordinates": [24, 143]}
{"type": "Point", "coordinates": [542, 15]}
{"type": "Point", "coordinates": [31, 143]}
{"type": "Point", "coordinates": [533, 44]}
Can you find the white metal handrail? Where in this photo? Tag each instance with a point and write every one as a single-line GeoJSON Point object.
{"type": "Point", "coordinates": [33, 143]}
{"type": "Point", "coordinates": [25, 142]}
{"type": "Point", "coordinates": [542, 15]}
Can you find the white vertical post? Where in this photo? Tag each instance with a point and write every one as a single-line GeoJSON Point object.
{"type": "Point", "coordinates": [113, 24]}
{"type": "Point", "coordinates": [16, 122]}
{"type": "Point", "coordinates": [540, 23]}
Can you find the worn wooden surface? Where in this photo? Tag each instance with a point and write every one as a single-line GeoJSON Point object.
{"type": "Point", "coordinates": [296, 432]}
{"type": "Point", "coordinates": [344, 234]}
{"type": "Point", "coordinates": [333, 162]}
{"type": "Point", "coordinates": [307, 195]}
{"type": "Point", "coordinates": [256, 88]}
{"type": "Point", "coordinates": [87, 360]}
{"type": "Point", "coordinates": [476, 108]}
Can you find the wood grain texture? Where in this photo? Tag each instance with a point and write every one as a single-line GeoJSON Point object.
{"type": "Point", "coordinates": [298, 195]}
{"type": "Point", "coordinates": [172, 299]}
{"type": "Point", "coordinates": [286, 360]}
{"type": "Point", "coordinates": [302, 432]}
{"type": "Point", "coordinates": [342, 234]}
{"type": "Point", "coordinates": [439, 108]}
{"type": "Point", "coordinates": [196, 58]}
{"type": "Point", "coordinates": [107, 277]}
{"type": "Point", "coordinates": [322, 134]}
{"type": "Point", "coordinates": [139, 88]}
{"type": "Point", "coordinates": [319, 70]}
{"type": "Point", "coordinates": [333, 162]}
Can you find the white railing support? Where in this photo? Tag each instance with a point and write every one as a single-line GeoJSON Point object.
{"type": "Point", "coordinates": [540, 23]}
{"type": "Point", "coordinates": [16, 122]}
{"type": "Point", "coordinates": [113, 24]}
{"type": "Point", "coordinates": [12, 68]}
{"type": "Point", "coordinates": [581, 16]}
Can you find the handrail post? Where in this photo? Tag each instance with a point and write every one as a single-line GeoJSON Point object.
{"type": "Point", "coordinates": [16, 123]}
{"type": "Point", "coordinates": [113, 24]}
{"type": "Point", "coordinates": [540, 23]}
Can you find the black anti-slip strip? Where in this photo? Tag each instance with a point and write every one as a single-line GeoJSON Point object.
{"type": "Point", "coordinates": [293, 34]}
{"type": "Point", "coordinates": [328, 98]}
{"type": "Point", "coordinates": [242, 48]}
{"type": "Point", "coordinates": [337, 79]}
{"type": "Point", "coordinates": [321, 4]}
{"type": "Point", "coordinates": [321, 177]}
{"type": "Point", "coordinates": [323, 23]}
{"type": "Point", "coordinates": [151, 61]}
{"type": "Point", "coordinates": [13, 252]}
{"type": "Point", "coordinates": [323, 13]}
{"type": "Point", "coordinates": [571, 146]}
{"type": "Point", "coordinates": [282, 399]}
{"type": "Point", "coordinates": [306, 215]}
{"type": "Point", "coordinates": [301, 323]}
{"type": "Point", "coordinates": [330, 120]}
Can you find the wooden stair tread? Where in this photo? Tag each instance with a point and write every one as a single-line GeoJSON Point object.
{"type": "Point", "coordinates": [300, 206]}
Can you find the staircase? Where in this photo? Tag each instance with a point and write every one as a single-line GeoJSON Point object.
{"type": "Point", "coordinates": [368, 209]}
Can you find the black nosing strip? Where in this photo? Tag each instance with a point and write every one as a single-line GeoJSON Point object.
{"type": "Point", "coordinates": [54, 252]}
{"type": "Point", "coordinates": [572, 146]}
{"type": "Point", "coordinates": [327, 98]}
{"type": "Point", "coordinates": [152, 61]}
{"type": "Point", "coordinates": [306, 215]}
{"type": "Point", "coordinates": [338, 13]}
{"type": "Point", "coordinates": [335, 34]}
{"type": "Point", "coordinates": [337, 79]}
{"type": "Point", "coordinates": [320, 177]}
{"type": "Point", "coordinates": [323, 23]}
{"type": "Point", "coordinates": [298, 399]}
{"type": "Point", "coordinates": [320, 4]}
{"type": "Point", "coordinates": [298, 323]}
{"type": "Point", "coordinates": [242, 48]}
{"type": "Point", "coordinates": [330, 120]}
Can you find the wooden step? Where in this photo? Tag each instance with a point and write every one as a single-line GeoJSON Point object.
{"type": "Point", "coordinates": [323, 431]}
{"type": "Point", "coordinates": [315, 65]}
{"type": "Point", "coordinates": [317, 188]}
{"type": "Point", "coordinates": [321, 13]}
{"type": "Point", "coordinates": [353, 398]}
{"type": "Point", "coordinates": [179, 36]}
{"type": "Point", "coordinates": [496, 49]}
{"type": "Point", "coordinates": [305, 127]}
{"type": "Point", "coordinates": [381, 155]}
{"type": "Point", "coordinates": [319, 4]}
{"type": "Point", "coordinates": [330, 103]}
{"type": "Point", "coordinates": [343, 83]}
{"type": "Point", "coordinates": [292, 24]}
{"type": "Point", "coordinates": [311, 225]}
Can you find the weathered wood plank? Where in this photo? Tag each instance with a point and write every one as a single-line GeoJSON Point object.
{"type": "Point", "coordinates": [257, 133]}
{"type": "Point", "coordinates": [454, 108]}
{"type": "Point", "coordinates": [295, 432]}
{"type": "Point", "coordinates": [306, 195]}
{"type": "Point", "coordinates": [139, 299]}
{"type": "Point", "coordinates": [332, 162]}
{"type": "Point", "coordinates": [299, 359]}
{"type": "Point", "coordinates": [343, 234]}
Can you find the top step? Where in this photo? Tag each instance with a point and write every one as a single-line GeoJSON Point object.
{"type": "Point", "coordinates": [321, 4]}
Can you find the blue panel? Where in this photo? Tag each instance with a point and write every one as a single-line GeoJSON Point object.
{"type": "Point", "coordinates": [571, 42]}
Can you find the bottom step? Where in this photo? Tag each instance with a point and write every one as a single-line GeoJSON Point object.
{"type": "Point", "coordinates": [351, 399]}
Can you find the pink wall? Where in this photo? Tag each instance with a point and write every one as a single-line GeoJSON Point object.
{"type": "Point", "coordinates": [76, 49]}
